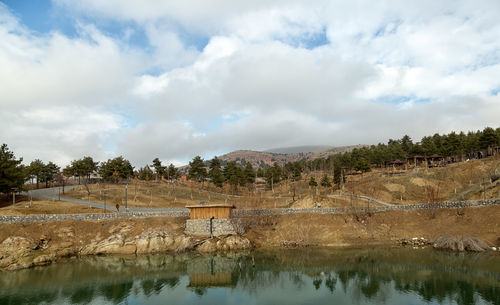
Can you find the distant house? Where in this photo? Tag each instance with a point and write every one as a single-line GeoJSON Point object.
{"type": "Point", "coordinates": [260, 184]}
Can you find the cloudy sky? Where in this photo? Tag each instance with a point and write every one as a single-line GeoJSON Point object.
{"type": "Point", "coordinates": [175, 79]}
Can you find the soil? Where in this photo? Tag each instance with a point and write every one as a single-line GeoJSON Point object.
{"type": "Point", "coordinates": [23, 207]}
{"type": "Point", "coordinates": [378, 228]}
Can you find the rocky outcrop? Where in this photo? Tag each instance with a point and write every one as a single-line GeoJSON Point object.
{"type": "Point", "coordinates": [147, 242]}
{"type": "Point", "coordinates": [16, 253]}
{"type": "Point", "coordinates": [20, 252]}
{"type": "Point", "coordinates": [472, 244]}
{"type": "Point", "coordinates": [228, 243]}
{"type": "Point", "coordinates": [414, 242]}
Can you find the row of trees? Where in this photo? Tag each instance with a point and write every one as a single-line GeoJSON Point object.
{"type": "Point", "coordinates": [13, 174]}
{"type": "Point", "coordinates": [361, 159]}
{"type": "Point", "coordinates": [231, 173]}
{"type": "Point", "coordinates": [168, 172]}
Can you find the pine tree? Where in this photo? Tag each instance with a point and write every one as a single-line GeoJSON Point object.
{"type": "Point", "coordinates": [159, 169]}
{"type": "Point", "coordinates": [197, 170]}
{"type": "Point", "coordinates": [35, 170]}
{"type": "Point", "coordinates": [312, 182]}
{"type": "Point", "coordinates": [325, 181]}
{"type": "Point", "coordinates": [215, 172]}
{"type": "Point", "coordinates": [488, 138]}
{"type": "Point", "coordinates": [146, 173]}
{"type": "Point", "coordinates": [362, 165]}
{"type": "Point", "coordinates": [249, 173]}
{"type": "Point", "coordinates": [49, 173]}
{"type": "Point", "coordinates": [12, 173]}
{"type": "Point", "coordinates": [116, 168]}
{"type": "Point", "coordinates": [172, 172]}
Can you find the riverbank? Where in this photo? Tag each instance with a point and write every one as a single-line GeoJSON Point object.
{"type": "Point", "coordinates": [30, 244]}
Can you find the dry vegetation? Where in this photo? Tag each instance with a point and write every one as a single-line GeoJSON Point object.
{"type": "Point", "coordinates": [163, 195]}
{"type": "Point", "coordinates": [379, 228]}
{"type": "Point", "coordinates": [459, 181]}
{"type": "Point", "coordinates": [23, 207]}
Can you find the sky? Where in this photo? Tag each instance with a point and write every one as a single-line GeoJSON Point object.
{"type": "Point", "coordinates": [176, 79]}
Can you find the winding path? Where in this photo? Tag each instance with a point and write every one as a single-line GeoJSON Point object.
{"type": "Point", "coordinates": [52, 193]}
{"type": "Point", "coordinates": [363, 197]}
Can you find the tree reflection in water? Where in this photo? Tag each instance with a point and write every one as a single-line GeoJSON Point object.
{"type": "Point", "coordinates": [360, 275]}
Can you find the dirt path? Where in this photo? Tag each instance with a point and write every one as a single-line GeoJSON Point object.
{"type": "Point", "coordinates": [52, 193]}
{"type": "Point", "coordinates": [364, 198]}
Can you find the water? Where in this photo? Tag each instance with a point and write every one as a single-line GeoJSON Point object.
{"type": "Point", "coordinates": [310, 276]}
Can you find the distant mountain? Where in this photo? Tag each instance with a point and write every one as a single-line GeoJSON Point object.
{"type": "Point", "coordinates": [267, 158]}
{"type": "Point", "coordinates": [298, 149]}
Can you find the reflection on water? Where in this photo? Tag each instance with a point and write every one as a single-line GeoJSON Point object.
{"type": "Point", "coordinates": [319, 276]}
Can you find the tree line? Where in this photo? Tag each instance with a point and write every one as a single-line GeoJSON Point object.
{"type": "Point", "coordinates": [360, 159]}
{"type": "Point", "coordinates": [13, 174]}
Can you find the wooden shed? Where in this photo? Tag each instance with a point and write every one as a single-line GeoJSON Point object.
{"type": "Point", "coordinates": [207, 211]}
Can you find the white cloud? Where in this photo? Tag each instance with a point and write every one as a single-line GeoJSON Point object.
{"type": "Point", "coordinates": [381, 69]}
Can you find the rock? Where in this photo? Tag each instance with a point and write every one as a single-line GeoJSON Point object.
{"type": "Point", "coordinates": [228, 243]}
{"type": "Point", "coordinates": [115, 244]}
{"type": "Point", "coordinates": [16, 245]}
{"type": "Point", "coordinates": [43, 260]}
{"type": "Point", "coordinates": [183, 243]}
{"type": "Point", "coordinates": [235, 242]}
{"type": "Point", "coordinates": [414, 242]}
{"type": "Point", "coordinates": [153, 242]}
{"type": "Point", "coordinates": [15, 252]}
{"type": "Point", "coordinates": [460, 244]}
{"type": "Point", "coordinates": [210, 245]}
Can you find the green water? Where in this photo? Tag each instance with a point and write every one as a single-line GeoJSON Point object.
{"type": "Point", "coordinates": [310, 276]}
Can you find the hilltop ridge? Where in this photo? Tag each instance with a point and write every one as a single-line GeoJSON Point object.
{"type": "Point", "coordinates": [267, 158]}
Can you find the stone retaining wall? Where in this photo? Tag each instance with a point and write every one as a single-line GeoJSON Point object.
{"type": "Point", "coordinates": [409, 207]}
{"type": "Point", "coordinates": [100, 216]}
{"type": "Point", "coordinates": [242, 213]}
{"type": "Point", "coordinates": [201, 227]}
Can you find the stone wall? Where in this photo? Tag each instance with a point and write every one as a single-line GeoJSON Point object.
{"type": "Point", "coordinates": [201, 227]}
{"type": "Point", "coordinates": [100, 216]}
{"type": "Point", "coordinates": [408, 207]}
{"type": "Point", "coordinates": [178, 212]}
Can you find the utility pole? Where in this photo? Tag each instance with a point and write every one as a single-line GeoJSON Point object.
{"type": "Point", "coordinates": [126, 187]}
{"type": "Point", "coordinates": [104, 201]}
{"type": "Point", "coordinates": [484, 190]}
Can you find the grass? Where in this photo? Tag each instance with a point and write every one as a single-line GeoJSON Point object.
{"type": "Point", "coordinates": [23, 207]}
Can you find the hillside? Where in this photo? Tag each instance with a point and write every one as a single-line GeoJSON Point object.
{"type": "Point", "coordinates": [267, 158]}
{"type": "Point", "coordinates": [298, 149]}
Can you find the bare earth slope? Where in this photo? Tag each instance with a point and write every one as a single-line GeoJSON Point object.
{"type": "Point", "coordinates": [257, 158]}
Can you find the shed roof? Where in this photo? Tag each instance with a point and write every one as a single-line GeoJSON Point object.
{"type": "Point", "coordinates": [213, 205]}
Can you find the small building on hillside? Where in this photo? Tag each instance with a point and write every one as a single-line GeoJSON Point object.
{"type": "Point", "coordinates": [207, 211]}
{"type": "Point", "coordinates": [425, 161]}
{"type": "Point", "coordinates": [210, 220]}
{"type": "Point", "coordinates": [260, 184]}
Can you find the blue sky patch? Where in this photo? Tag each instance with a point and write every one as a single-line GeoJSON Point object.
{"type": "Point", "coordinates": [395, 99]}
{"type": "Point", "coordinates": [308, 40]}
{"type": "Point", "coordinates": [219, 122]}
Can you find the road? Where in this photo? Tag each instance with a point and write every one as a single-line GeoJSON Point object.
{"type": "Point", "coordinates": [370, 199]}
{"type": "Point", "coordinates": [53, 193]}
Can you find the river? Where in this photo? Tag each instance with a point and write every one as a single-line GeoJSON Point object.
{"type": "Point", "coordinates": [377, 275]}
